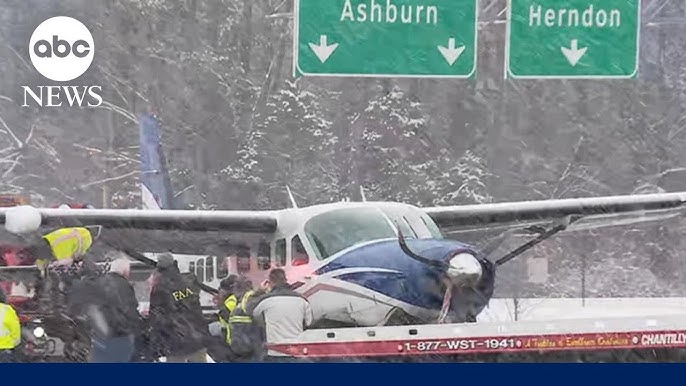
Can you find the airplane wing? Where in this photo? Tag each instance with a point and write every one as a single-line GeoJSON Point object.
{"type": "Point", "coordinates": [183, 220]}
{"type": "Point", "coordinates": [587, 213]}
{"type": "Point", "coordinates": [177, 231]}
{"type": "Point", "coordinates": [489, 225]}
{"type": "Point", "coordinates": [197, 231]}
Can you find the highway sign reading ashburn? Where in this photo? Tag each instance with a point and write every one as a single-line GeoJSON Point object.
{"type": "Point", "coordinates": [385, 38]}
{"type": "Point", "coordinates": [573, 38]}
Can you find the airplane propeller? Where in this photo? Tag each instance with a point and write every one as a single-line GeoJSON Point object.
{"type": "Point", "coordinates": [463, 269]}
{"type": "Point", "coordinates": [434, 263]}
{"type": "Point", "coordinates": [463, 272]}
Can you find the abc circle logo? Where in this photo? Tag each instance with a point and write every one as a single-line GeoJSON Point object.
{"type": "Point", "coordinates": [61, 48]}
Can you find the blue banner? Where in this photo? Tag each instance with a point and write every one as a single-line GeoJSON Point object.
{"type": "Point", "coordinates": [379, 374]}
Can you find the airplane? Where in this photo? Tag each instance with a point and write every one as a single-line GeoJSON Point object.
{"type": "Point", "coordinates": [358, 263]}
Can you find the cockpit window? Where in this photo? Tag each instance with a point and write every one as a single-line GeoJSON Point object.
{"type": "Point", "coordinates": [433, 228]}
{"type": "Point", "coordinates": [337, 230]}
{"type": "Point", "coordinates": [401, 222]}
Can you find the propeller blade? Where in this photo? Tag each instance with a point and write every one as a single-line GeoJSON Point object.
{"type": "Point", "coordinates": [403, 245]}
{"type": "Point", "coordinates": [541, 237]}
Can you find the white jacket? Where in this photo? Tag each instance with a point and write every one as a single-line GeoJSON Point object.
{"type": "Point", "coordinates": [284, 313]}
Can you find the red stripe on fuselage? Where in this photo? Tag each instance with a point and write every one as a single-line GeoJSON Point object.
{"type": "Point", "coordinates": [328, 287]}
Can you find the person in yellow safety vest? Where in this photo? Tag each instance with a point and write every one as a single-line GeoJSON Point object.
{"type": "Point", "coordinates": [65, 245]}
{"type": "Point", "coordinates": [245, 337]}
{"type": "Point", "coordinates": [10, 331]}
{"type": "Point", "coordinates": [228, 303]}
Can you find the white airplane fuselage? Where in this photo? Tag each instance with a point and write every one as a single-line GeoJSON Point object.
{"type": "Point", "coordinates": [343, 257]}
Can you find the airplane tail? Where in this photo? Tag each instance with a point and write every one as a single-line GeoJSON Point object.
{"type": "Point", "coordinates": [156, 190]}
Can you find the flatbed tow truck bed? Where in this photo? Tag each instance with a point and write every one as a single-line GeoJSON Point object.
{"type": "Point", "coordinates": [618, 339]}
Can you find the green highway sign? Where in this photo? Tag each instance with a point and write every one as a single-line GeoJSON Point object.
{"type": "Point", "coordinates": [385, 38]}
{"type": "Point", "coordinates": [590, 39]}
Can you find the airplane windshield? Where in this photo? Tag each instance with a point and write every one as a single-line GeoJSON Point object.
{"type": "Point", "coordinates": [335, 231]}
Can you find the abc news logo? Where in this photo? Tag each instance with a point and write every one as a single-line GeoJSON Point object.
{"type": "Point", "coordinates": [62, 49]}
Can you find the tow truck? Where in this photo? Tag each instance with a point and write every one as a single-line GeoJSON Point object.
{"type": "Point", "coordinates": [602, 339]}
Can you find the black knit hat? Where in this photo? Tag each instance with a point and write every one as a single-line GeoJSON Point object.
{"type": "Point", "coordinates": [227, 284]}
{"type": "Point", "coordinates": [165, 260]}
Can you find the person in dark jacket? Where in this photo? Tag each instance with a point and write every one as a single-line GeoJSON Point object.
{"type": "Point", "coordinates": [83, 294]}
{"type": "Point", "coordinates": [108, 303]}
{"type": "Point", "coordinates": [177, 327]}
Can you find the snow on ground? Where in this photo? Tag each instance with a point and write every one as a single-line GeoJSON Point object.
{"type": "Point", "coordinates": [500, 310]}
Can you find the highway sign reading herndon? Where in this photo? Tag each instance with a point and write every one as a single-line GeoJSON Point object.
{"type": "Point", "coordinates": [573, 38]}
{"type": "Point", "coordinates": [385, 38]}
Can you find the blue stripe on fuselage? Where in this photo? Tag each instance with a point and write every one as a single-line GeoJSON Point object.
{"type": "Point", "coordinates": [417, 283]}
